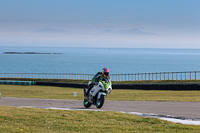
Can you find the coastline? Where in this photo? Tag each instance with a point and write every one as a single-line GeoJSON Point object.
{"type": "Point", "coordinates": [28, 53]}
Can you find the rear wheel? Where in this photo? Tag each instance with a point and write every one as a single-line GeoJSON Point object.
{"type": "Point", "coordinates": [86, 103]}
{"type": "Point", "coordinates": [100, 101]}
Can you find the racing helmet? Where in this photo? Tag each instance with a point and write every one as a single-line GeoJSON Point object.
{"type": "Point", "coordinates": [105, 72]}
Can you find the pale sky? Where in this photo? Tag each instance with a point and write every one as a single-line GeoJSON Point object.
{"type": "Point", "coordinates": [100, 23]}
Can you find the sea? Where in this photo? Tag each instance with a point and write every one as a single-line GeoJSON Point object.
{"type": "Point", "coordinates": [79, 60]}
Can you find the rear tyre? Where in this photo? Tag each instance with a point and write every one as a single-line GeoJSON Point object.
{"type": "Point", "coordinates": [86, 103]}
{"type": "Point", "coordinates": [100, 101]}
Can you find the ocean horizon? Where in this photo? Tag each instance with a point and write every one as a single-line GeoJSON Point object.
{"type": "Point", "coordinates": [82, 60]}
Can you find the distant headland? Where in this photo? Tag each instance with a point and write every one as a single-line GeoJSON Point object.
{"type": "Point", "coordinates": [28, 53]}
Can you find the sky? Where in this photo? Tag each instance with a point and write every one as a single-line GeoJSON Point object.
{"type": "Point", "coordinates": [100, 23]}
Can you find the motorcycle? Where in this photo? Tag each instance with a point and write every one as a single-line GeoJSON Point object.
{"type": "Point", "coordinates": [97, 94]}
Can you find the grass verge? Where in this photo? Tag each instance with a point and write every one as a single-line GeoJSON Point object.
{"type": "Point", "coordinates": [50, 92]}
{"type": "Point", "coordinates": [27, 120]}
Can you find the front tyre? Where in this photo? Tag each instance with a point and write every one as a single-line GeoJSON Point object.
{"type": "Point", "coordinates": [86, 103]}
{"type": "Point", "coordinates": [100, 101]}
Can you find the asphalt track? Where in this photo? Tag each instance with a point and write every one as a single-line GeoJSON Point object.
{"type": "Point", "coordinates": [180, 110]}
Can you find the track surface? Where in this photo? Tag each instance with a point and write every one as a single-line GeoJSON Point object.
{"type": "Point", "coordinates": [175, 109]}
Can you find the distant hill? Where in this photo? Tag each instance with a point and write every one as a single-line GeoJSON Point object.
{"type": "Point", "coordinates": [128, 32]}
{"type": "Point", "coordinates": [49, 30]}
{"type": "Point", "coordinates": [135, 31]}
{"type": "Point", "coordinates": [107, 31]}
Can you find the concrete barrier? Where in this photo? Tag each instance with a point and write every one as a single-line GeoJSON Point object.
{"type": "Point", "coordinates": [153, 86]}
{"type": "Point", "coordinates": [61, 84]}
{"type": "Point", "coordinates": [156, 86]}
{"type": "Point", "coordinates": [159, 86]}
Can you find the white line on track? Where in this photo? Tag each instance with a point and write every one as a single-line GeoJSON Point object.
{"type": "Point", "coordinates": [167, 118]}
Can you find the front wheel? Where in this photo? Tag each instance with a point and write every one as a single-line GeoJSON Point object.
{"type": "Point", "coordinates": [100, 101]}
{"type": "Point", "coordinates": [86, 103]}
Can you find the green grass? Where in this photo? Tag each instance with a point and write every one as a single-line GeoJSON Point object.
{"type": "Point", "coordinates": [33, 120]}
{"type": "Point", "coordinates": [49, 92]}
{"type": "Point", "coordinates": [45, 92]}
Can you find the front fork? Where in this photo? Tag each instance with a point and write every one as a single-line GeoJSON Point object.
{"type": "Point", "coordinates": [101, 93]}
{"type": "Point", "coordinates": [84, 91]}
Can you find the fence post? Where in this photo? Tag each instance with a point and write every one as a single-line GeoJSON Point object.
{"type": "Point", "coordinates": [185, 76]}
{"type": "Point", "coordinates": [190, 76]}
{"type": "Point", "coordinates": [195, 75]}
{"type": "Point", "coordinates": [181, 76]}
{"type": "Point", "coordinates": [168, 75]}
{"type": "Point", "coordinates": [152, 75]}
{"type": "Point", "coordinates": [142, 76]}
{"type": "Point", "coordinates": [145, 76]}
{"type": "Point", "coordinates": [132, 77]}
{"type": "Point", "coordinates": [164, 75]}
{"type": "Point", "coordinates": [156, 76]}
{"type": "Point", "coordinates": [149, 75]}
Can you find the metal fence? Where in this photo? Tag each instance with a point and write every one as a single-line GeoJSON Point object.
{"type": "Point", "coordinates": [189, 75]}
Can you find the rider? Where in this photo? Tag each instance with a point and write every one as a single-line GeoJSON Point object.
{"type": "Point", "coordinates": [100, 76]}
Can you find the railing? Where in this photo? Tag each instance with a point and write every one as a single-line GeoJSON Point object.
{"type": "Point", "coordinates": [189, 75]}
